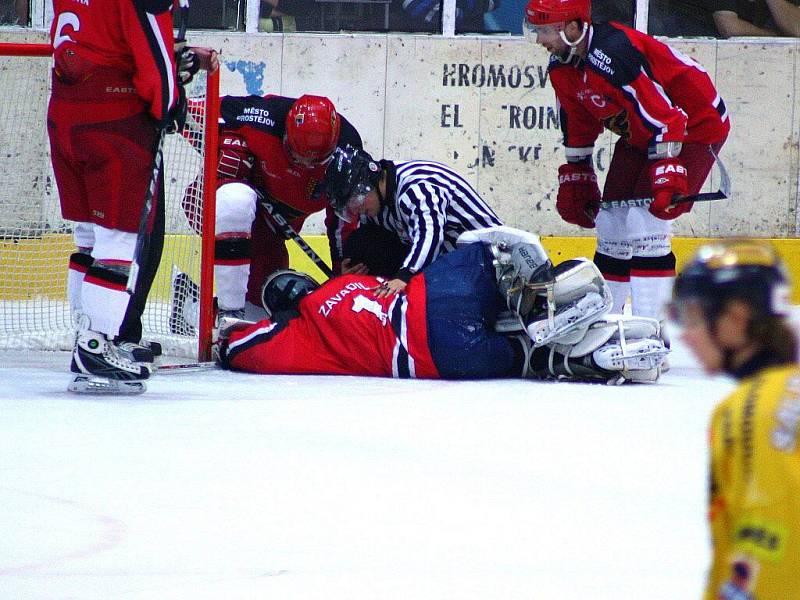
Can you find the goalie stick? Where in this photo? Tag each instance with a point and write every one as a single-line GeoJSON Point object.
{"type": "Point", "coordinates": [723, 193]}
{"type": "Point", "coordinates": [142, 235]}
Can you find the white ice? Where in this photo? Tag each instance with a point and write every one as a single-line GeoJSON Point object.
{"type": "Point", "coordinates": [220, 485]}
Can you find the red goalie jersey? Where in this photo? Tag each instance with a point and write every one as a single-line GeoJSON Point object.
{"type": "Point", "coordinates": [639, 88]}
{"type": "Point", "coordinates": [123, 47]}
{"type": "Point", "coordinates": [343, 329]}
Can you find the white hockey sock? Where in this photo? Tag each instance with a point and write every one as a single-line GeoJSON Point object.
{"type": "Point", "coordinates": [231, 283]}
{"type": "Point", "coordinates": [619, 292]}
{"type": "Point", "coordinates": [650, 296]}
{"type": "Point", "coordinates": [79, 263]}
{"type": "Point", "coordinates": [104, 305]}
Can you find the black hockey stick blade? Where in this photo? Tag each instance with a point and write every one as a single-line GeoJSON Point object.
{"type": "Point", "coordinates": [723, 193]}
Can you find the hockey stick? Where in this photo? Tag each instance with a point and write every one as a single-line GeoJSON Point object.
{"type": "Point", "coordinates": [142, 235]}
{"type": "Point", "coordinates": [288, 232]}
{"type": "Point", "coordinates": [186, 368]}
{"type": "Point", "coordinates": [723, 193]}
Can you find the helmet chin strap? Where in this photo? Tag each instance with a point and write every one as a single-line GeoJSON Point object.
{"type": "Point", "coordinates": [573, 46]}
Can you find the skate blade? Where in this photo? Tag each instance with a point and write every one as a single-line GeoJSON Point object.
{"type": "Point", "coordinates": [91, 384]}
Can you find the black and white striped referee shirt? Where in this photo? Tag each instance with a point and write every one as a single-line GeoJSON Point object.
{"type": "Point", "coordinates": [429, 205]}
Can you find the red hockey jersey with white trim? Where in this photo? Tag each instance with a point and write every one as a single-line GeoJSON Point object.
{"type": "Point", "coordinates": [639, 88]}
{"type": "Point", "coordinates": [133, 37]}
{"type": "Point", "coordinates": [343, 329]}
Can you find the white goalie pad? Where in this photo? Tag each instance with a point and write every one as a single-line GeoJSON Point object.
{"type": "Point", "coordinates": [499, 235]}
{"type": "Point", "coordinates": [622, 348]}
{"type": "Point", "coordinates": [580, 297]}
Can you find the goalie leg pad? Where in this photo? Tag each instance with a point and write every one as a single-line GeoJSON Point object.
{"type": "Point", "coordinates": [523, 272]}
{"type": "Point", "coordinates": [498, 235]}
{"type": "Point", "coordinates": [569, 322]}
{"type": "Point", "coordinates": [614, 349]}
{"type": "Point", "coordinates": [580, 297]}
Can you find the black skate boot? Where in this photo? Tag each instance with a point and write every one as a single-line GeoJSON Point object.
{"type": "Point", "coordinates": [143, 352]}
{"type": "Point", "coordinates": [101, 368]}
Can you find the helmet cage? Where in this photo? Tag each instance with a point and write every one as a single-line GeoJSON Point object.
{"type": "Point", "coordinates": [348, 207]}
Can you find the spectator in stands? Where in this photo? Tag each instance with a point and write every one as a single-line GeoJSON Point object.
{"type": "Point", "coordinates": [786, 16]}
{"type": "Point", "coordinates": [680, 18]}
{"type": "Point", "coordinates": [760, 18]}
{"type": "Point", "coordinates": [426, 15]}
{"type": "Point", "coordinates": [14, 12]}
{"type": "Point", "coordinates": [285, 15]}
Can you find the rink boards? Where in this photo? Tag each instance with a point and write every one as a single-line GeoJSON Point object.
{"type": "Point", "coordinates": [57, 248]}
{"type": "Point", "coordinates": [484, 105]}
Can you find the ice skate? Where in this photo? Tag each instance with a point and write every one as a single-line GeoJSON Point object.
{"type": "Point", "coordinates": [143, 352]}
{"type": "Point", "coordinates": [101, 368]}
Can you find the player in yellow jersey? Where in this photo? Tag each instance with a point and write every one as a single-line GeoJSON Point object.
{"type": "Point", "coordinates": [732, 301]}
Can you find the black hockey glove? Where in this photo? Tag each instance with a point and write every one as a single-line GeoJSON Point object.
{"type": "Point", "coordinates": [186, 62]}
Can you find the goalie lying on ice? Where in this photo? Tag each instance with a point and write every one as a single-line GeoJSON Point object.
{"type": "Point", "coordinates": [495, 307]}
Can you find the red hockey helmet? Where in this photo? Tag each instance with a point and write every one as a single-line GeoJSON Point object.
{"type": "Point", "coordinates": [545, 12]}
{"type": "Point", "coordinates": [312, 130]}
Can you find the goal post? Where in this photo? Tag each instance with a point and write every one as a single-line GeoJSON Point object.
{"type": "Point", "coordinates": [35, 242]}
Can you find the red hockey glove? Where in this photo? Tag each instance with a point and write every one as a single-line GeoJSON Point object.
{"type": "Point", "coordinates": [668, 178]}
{"type": "Point", "coordinates": [578, 195]}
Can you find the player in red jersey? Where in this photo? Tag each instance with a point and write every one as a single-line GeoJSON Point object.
{"type": "Point", "coordinates": [451, 321]}
{"type": "Point", "coordinates": [669, 117]}
{"type": "Point", "coordinates": [115, 85]}
{"type": "Point", "coordinates": [277, 147]}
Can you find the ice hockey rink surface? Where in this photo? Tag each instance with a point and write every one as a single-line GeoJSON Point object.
{"type": "Point", "coordinates": [219, 485]}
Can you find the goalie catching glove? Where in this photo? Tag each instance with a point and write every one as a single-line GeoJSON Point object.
{"type": "Point", "coordinates": [579, 196]}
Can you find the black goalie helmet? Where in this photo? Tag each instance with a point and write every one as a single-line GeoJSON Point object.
{"type": "Point", "coordinates": [350, 176]}
{"type": "Point", "coordinates": [283, 290]}
{"type": "Point", "coordinates": [746, 270]}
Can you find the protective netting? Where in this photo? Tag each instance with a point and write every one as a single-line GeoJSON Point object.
{"type": "Point", "coordinates": [35, 242]}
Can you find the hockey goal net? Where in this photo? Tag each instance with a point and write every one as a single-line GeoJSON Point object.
{"type": "Point", "coordinates": [35, 242]}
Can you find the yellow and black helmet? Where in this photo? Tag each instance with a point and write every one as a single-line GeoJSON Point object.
{"type": "Point", "coordinates": [747, 270]}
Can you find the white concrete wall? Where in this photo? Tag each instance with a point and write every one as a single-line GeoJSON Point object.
{"type": "Point", "coordinates": [483, 105]}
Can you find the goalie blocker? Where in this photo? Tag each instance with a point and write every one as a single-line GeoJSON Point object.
{"type": "Point", "coordinates": [496, 308]}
